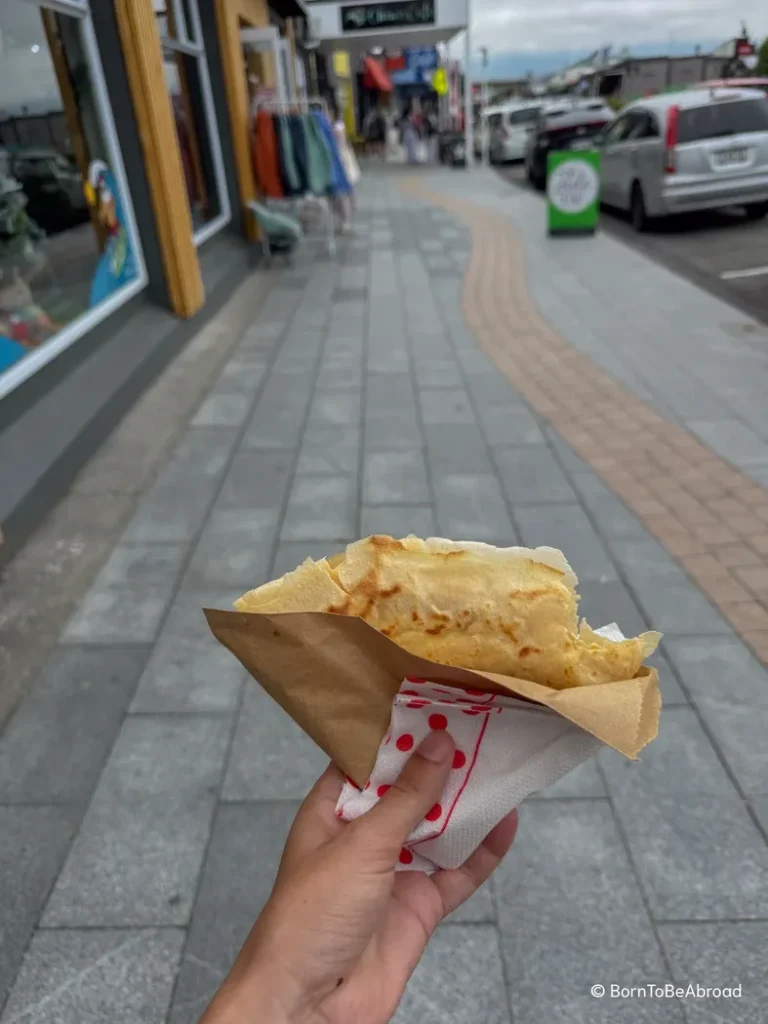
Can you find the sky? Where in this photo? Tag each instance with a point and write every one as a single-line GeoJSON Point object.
{"type": "Point", "coordinates": [545, 30]}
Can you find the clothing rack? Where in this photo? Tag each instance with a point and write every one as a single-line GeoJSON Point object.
{"type": "Point", "coordinates": [299, 205]}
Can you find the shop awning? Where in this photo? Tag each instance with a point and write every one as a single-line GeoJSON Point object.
{"type": "Point", "coordinates": [375, 77]}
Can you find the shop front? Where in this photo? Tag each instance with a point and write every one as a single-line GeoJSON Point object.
{"type": "Point", "coordinates": [124, 173]}
{"type": "Point", "coordinates": [407, 30]}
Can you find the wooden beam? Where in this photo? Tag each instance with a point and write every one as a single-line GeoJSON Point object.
{"type": "Point", "coordinates": [162, 156]}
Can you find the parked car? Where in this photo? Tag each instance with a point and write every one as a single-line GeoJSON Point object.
{"type": "Point", "coordinates": [564, 129]}
{"type": "Point", "coordinates": [509, 131]}
{"type": "Point", "coordinates": [735, 83]}
{"type": "Point", "coordinates": [53, 186]}
{"type": "Point", "coordinates": [695, 150]}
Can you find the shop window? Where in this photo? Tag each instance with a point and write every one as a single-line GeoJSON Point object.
{"type": "Point", "coordinates": [68, 251]}
{"type": "Point", "coordinates": [186, 76]}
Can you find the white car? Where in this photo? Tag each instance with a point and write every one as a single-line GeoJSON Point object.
{"type": "Point", "coordinates": [688, 151]}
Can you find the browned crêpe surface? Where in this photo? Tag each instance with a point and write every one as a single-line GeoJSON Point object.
{"type": "Point", "coordinates": [510, 611]}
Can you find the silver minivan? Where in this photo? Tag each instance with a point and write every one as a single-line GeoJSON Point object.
{"type": "Point", "coordinates": [680, 152]}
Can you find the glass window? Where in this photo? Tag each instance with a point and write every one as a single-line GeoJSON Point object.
{"type": "Point", "coordinates": [186, 76]}
{"type": "Point", "coordinates": [65, 244]}
{"type": "Point", "coordinates": [720, 119]}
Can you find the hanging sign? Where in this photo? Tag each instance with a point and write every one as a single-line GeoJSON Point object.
{"type": "Point", "coordinates": [573, 191]}
{"type": "Point", "coordinates": [440, 82]}
{"type": "Point", "coordinates": [398, 14]}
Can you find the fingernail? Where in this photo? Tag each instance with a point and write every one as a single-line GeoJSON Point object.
{"type": "Point", "coordinates": [436, 746]}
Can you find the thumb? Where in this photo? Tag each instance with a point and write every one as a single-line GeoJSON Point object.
{"type": "Point", "coordinates": [387, 825]}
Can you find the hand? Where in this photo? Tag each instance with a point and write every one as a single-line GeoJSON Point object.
{"type": "Point", "coordinates": [342, 932]}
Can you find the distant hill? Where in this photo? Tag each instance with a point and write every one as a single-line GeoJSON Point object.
{"type": "Point", "coordinates": [503, 66]}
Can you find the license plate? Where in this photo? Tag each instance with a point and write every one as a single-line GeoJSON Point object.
{"type": "Point", "coordinates": [581, 144]}
{"type": "Point", "coordinates": [730, 157]}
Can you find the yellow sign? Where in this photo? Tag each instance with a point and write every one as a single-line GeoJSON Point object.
{"type": "Point", "coordinates": [440, 82]}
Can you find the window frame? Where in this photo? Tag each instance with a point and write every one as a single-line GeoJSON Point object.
{"type": "Point", "coordinates": [190, 43]}
{"type": "Point", "coordinates": [23, 369]}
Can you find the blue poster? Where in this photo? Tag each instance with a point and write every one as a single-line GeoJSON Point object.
{"type": "Point", "coordinates": [117, 265]}
{"type": "Point", "coordinates": [420, 63]}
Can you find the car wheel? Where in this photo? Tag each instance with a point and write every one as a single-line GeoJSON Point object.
{"type": "Point", "coordinates": [756, 211]}
{"type": "Point", "coordinates": [640, 221]}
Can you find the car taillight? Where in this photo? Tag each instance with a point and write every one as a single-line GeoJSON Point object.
{"type": "Point", "coordinates": [670, 142]}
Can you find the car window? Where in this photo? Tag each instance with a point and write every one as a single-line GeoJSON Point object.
{"type": "Point", "coordinates": [716, 119]}
{"type": "Point", "coordinates": [527, 116]}
{"type": "Point", "coordinates": [33, 167]}
{"type": "Point", "coordinates": [644, 126]}
{"type": "Point", "coordinates": [620, 129]}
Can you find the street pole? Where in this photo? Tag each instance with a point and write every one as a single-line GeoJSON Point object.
{"type": "Point", "coordinates": [484, 107]}
{"type": "Point", "coordinates": [469, 140]}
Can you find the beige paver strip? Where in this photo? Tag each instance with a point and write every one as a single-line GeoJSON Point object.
{"type": "Point", "coordinates": [705, 512]}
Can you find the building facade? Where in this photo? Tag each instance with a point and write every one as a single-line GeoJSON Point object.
{"type": "Point", "coordinates": [125, 173]}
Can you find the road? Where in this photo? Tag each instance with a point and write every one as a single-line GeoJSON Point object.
{"type": "Point", "coordinates": [701, 247]}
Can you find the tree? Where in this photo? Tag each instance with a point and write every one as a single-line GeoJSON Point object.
{"type": "Point", "coordinates": [762, 59]}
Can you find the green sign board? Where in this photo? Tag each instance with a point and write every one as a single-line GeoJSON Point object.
{"type": "Point", "coordinates": [573, 191]}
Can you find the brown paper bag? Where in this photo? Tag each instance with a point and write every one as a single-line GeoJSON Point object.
{"type": "Point", "coordinates": [337, 676]}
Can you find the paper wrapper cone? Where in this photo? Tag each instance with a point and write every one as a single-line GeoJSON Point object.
{"type": "Point", "coordinates": [337, 676]}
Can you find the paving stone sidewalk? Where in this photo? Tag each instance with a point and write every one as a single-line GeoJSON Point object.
{"type": "Point", "coordinates": [146, 787]}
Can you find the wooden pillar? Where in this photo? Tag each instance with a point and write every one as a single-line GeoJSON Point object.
{"type": "Point", "coordinates": [231, 16]}
{"type": "Point", "coordinates": [162, 156]}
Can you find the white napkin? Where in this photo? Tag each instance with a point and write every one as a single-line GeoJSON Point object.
{"type": "Point", "coordinates": [506, 749]}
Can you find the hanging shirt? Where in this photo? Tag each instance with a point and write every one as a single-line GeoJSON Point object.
{"type": "Point", "coordinates": [289, 175]}
{"type": "Point", "coordinates": [339, 183]}
{"type": "Point", "coordinates": [264, 154]}
{"type": "Point", "coordinates": [299, 144]}
{"type": "Point", "coordinates": [318, 158]}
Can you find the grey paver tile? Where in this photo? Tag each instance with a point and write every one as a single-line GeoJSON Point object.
{"type": "Point", "coordinates": [460, 979]}
{"type": "Point", "coordinates": [471, 507]}
{"type": "Point", "coordinates": [334, 409]}
{"type": "Point", "coordinates": [189, 669]}
{"type": "Point", "coordinates": [129, 596]}
{"type": "Point", "coordinates": [731, 439]}
{"type": "Point", "coordinates": [280, 412]}
{"type": "Point", "coordinates": [613, 518]}
{"type": "Point", "coordinates": [571, 916]}
{"type": "Point", "coordinates": [223, 409]}
{"type": "Point", "coordinates": [175, 506]}
{"type": "Point", "coordinates": [697, 851]}
{"type": "Point", "coordinates": [457, 448]}
{"type": "Point", "coordinates": [531, 475]}
{"type": "Point", "coordinates": [730, 688]}
{"type": "Point", "coordinates": [256, 479]}
{"type": "Point", "coordinates": [602, 603]}
{"type": "Point", "coordinates": [138, 853]}
{"type": "Point", "coordinates": [87, 977]}
{"type": "Point", "coordinates": [671, 602]}
{"type": "Point", "coordinates": [245, 848]}
{"type": "Point", "coordinates": [33, 844]}
{"type": "Point", "coordinates": [491, 388]}
{"type": "Point", "coordinates": [320, 507]}
{"type": "Point", "coordinates": [330, 451]}
{"type": "Point", "coordinates": [398, 520]}
{"type": "Point", "coordinates": [235, 548]}
{"type": "Point", "coordinates": [566, 527]}
{"type": "Point", "coordinates": [271, 758]}
{"type": "Point", "coordinates": [720, 955]}
{"type": "Point", "coordinates": [53, 748]}
{"type": "Point", "coordinates": [509, 424]}
{"type": "Point", "coordinates": [446, 407]}
{"type": "Point", "coordinates": [438, 373]}
{"type": "Point", "coordinates": [395, 477]}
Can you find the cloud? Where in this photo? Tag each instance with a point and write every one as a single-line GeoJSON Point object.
{"type": "Point", "coordinates": [583, 25]}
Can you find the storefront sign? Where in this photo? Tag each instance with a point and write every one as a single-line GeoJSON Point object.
{"type": "Point", "coordinates": [573, 191]}
{"type": "Point", "coordinates": [421, 58]}
{"type": "Point", "coordinates": [399, 14]}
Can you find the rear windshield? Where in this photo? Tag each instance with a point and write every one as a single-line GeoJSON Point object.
{"type": "Point", "coordinates": [526, 116]}
{"type": "Point", "coordinates": [719, 119]}
{"type": "Point", "coordinates": [565, 138]}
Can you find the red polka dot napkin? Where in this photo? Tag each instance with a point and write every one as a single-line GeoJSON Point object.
{"type": "Point", "coordinates": [506, 749]}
